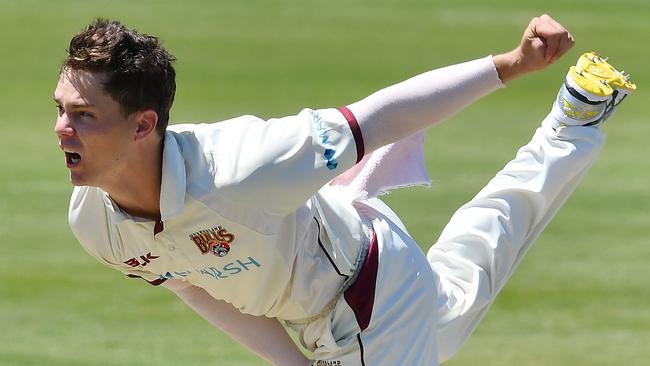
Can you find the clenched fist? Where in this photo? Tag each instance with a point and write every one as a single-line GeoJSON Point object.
{"type": "Point", "coordinates": [543, 42]}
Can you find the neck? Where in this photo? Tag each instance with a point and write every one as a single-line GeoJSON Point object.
{"type": "Point", "coordinates": [137, 190]}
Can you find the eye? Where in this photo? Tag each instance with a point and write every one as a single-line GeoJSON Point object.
{"type": "Point", "coordinates": [86, 114]}
{"type": "Point", "coordinates": [59, 110]}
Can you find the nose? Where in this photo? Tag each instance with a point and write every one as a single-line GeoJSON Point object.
{"type": "Point", "coordinates": [62, 126]}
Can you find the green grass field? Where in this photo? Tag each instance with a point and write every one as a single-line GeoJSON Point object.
{"type": "Point", "coordinates": [581, 296]}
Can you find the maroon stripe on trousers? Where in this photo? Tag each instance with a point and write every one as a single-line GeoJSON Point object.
{"type": "Point", "coordinates": [356, 131]}
{"type": "Point", "coordinates": [361, 295]}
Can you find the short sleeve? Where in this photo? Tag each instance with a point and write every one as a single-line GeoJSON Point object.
{"type": "Point", "coordinates": [279, 163]}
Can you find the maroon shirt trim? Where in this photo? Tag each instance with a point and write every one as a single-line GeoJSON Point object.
{"type": "Point", "coordinates": [356, 131]}
{"type": "Point", "coordinates": [158, 228]}
{"type": "Point", "coordinates": [361, 295]}
{"type": "Point", "coordinates": [155, 282]}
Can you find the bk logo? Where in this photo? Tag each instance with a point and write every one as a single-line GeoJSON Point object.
{"type": "Point", "coordinates": [143, 260]}
{"type": "Point", "coordinates": [216, 241]}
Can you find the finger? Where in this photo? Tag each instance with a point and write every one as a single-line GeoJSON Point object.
{"type": "Point", "coordinates": [566, 40]}
{"type": "Point", "coordinates": [552, 34]}
{"type": "Point", "coordinates": [552, 44]}
{"type": "Point", "coordinates": [552, 21]}
{"type": "Point", "coordinates": [565, 44]}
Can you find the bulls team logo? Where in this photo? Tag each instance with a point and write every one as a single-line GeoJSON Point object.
{"type": "Point", "coordinates": [216, 241]}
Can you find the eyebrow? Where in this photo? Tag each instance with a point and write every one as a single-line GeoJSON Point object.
{"type": "Point", "coordinates": [75, 105]}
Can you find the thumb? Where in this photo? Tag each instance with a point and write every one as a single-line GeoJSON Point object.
{"type": "Point", "coordinates": [538, 47]}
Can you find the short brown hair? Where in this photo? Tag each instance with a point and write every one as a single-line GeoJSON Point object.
{"type": "Point", "coordinates": [139, 71]}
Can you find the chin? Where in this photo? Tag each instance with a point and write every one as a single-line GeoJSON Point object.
{"type": "Point", "coordinates": [78, 180]}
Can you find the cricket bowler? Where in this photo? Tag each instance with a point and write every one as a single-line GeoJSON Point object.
{"type": "Point", "coordinates": [252, 224]}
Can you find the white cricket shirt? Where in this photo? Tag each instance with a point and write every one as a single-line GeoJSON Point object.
{"type": "Point", "coordinates": [245, 215]}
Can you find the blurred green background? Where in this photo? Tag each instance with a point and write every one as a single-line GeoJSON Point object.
{"type": "Point", "coordinates": [581, 296]}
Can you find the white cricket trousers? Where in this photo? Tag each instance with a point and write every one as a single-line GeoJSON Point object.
{"type": "Point", "coordinates": [408, 309]}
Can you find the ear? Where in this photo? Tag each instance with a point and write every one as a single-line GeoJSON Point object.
{"type": "Point", "coordinates": [147, 121]}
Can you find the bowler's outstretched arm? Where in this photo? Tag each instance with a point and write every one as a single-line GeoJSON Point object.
{"type": "Point", "coordinates": [403, 109]}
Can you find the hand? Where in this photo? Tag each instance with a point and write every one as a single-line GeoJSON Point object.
{"type": "Point", "coordinates": [543, 42]}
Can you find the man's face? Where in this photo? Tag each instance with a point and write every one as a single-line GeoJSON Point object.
{"type": "Point", "coordinates": [93, 133]}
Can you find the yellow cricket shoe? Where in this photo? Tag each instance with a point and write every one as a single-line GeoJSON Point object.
{"type": "Point", "coordinates": [591, 90]}
{"type": "Point", "coordinates": [597, 67]}
{"type": "Point", "coordinates": [591, 87]}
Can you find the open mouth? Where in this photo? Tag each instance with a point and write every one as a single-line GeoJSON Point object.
{"type": "Point", "coordinates": [72, 158]}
